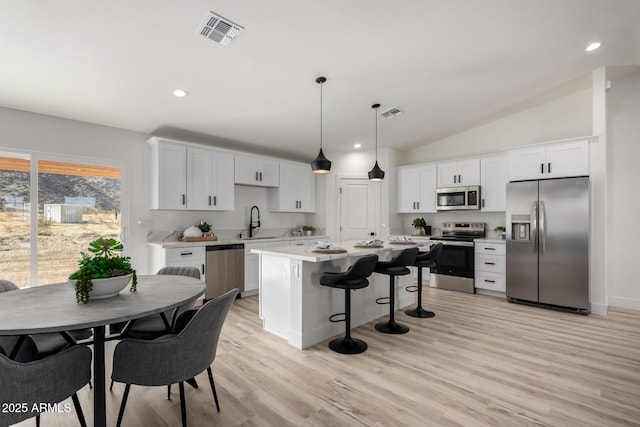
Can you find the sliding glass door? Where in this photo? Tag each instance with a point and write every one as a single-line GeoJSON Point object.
{"type": "Point", "coordinates": [50, 211]}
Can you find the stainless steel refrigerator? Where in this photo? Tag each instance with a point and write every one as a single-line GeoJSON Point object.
{"type": "Point", "coordinates": [548, 242]}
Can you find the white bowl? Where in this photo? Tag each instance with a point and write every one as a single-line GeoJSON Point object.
{"type": "Point", "coordinates": [192, 232]}
{"type": "Point", "coordinates": [105, 288]}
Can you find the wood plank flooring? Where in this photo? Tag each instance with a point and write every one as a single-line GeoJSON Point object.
{"type": "Point", "coordinates": [480, 362]}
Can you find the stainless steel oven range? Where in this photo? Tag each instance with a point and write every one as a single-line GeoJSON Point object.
{"type": "Point", "coordinates": [455, 265]}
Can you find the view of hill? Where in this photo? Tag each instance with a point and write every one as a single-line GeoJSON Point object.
{"type": "Point", "coordinates": [54, 188]}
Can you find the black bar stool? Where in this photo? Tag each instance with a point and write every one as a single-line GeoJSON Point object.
{"type": "Point", "coordinates": [396, 267]}
{"type": "Point", "coordinates": [426, 260]}
{"type": "Point", "coordinates": [354, 278]}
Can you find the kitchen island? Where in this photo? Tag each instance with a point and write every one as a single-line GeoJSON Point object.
{"type": "Point", "coordinates": [293, 304]}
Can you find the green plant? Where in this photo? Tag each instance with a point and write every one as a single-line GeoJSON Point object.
{"type": "Point", "coordinates": [500, 229]}
{"type": "Point", "coordinates": [104, 263]}
{"type": "Point", "coordinates": [307, 228]}
{"type": "Point", "coordinates": [419, 223]}
{"type": "Point", "coordinates": [204, 227]}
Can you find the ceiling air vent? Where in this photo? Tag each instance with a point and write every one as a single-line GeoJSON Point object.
{"type": "Point", "coordinates": [220, 30]}
{"type": "Point", "coordinates": [391, 113]}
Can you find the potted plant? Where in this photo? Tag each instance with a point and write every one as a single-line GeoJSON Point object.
{"type": "Point", "coordinates": [499, 230]}
{"type": "Point", "coordinates": [421, 225]}
{"type": "Point", "coordinates": [307, 229]}
{"type": "Point", "coordinates": [102, 267]}
{"type": "Point", "coordinates": [204, 227]}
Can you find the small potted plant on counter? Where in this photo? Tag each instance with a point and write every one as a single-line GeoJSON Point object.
{"type": "Point", "coordinates": [105, 273]}
{"type": "Point", "coordinates": [500, 230]}
{"type": "Point", "coordinates": [307, 229]}
{"type": "Point", "coordinates": [421, 225]}
{"type": "Point", "coordinates": [204, 227]}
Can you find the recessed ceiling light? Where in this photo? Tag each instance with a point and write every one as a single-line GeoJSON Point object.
{"type": "Point", "coordinates": [180, 93]}
{"type": "Point", "coordinates": [358, 145]}
{"type": "Point", "coordinates": [593, 46]}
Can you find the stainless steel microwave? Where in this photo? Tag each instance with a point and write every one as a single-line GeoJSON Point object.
{"type": "Point", "coordinates": [458, 198]}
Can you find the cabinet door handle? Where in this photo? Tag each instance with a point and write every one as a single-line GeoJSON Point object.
{"type": "Point", "coordinates": [490, 263]}
{"type": "Point", "coordinates": [300, 204]}
{"type": "Point", "coordinates": [541, 167]}
{"type": "Point", "coordinates": [256, 176]}
{"type": "Point", "coordinates": [418, 203]}
{"type": "Point", "coordinates": [489, 281]}
{"type": "Point", "coordinates": [209, 200]}
{"type": "Point", "coordinates": [459, 179]}
{"type": "Point", "coordinates": [260, 176]}
{"type": "Point", "coordinates": [455, 179]}
{"type": "Point", "coordinates": [215, 201]}
{"type": "Point", "coordinates": [184, 199]}
{"type": "Point", "coordinates": [202, 268]}
{"type": "Point", "coordinates": [186, 253]}
{"type": "Point", "coordinates": [483, 203]}
{"type": "Point", "coordinates": [489, 249]}
{"type": "Point", "coordinates": [549, 167]}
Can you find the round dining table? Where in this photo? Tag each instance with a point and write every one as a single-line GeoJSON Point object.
{"type": "Point", "coordinates": [53, 308]}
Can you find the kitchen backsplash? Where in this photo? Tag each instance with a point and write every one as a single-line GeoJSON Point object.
{"type": "Point", "coordinates": [435, 220]}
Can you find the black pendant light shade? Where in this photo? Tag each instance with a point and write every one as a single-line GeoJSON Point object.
{"type": "Point", "coordinates": [321, 164]}
{"type": "Point", "coordinates": [376, 174]}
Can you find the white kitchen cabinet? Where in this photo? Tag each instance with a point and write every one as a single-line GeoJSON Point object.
{"type": "Point", "coordinates": [297, 190]}
{"type": "Point", "coordinates": [168, 175]}
{"type": "Point", "coordinates": [257, 171]}
{"type": "Point", "coordinates": [557, 160]}
{"type": "Point", "coordinates": [210, 180]}
{"type": "Point", "coordinates": [490, 266]}
{"type": "Point", "coordinates": [493, 183]}
{"type": "Point", "coordinates": [190, 256]}
{"type": "Point", "coordinates": [459, 173]}
{"type": "Point", "coordinates": [186, 177]}
{"type": "Point", "coordinates": [417, 189]}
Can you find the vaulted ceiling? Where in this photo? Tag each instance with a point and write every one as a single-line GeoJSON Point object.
{"type": "Point", "coordinates": [447, 64]}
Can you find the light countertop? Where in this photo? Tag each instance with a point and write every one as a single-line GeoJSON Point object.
{"type": "Point", "coordinates": [174, 243]}
{"type": "Point", "coordinates": [498, 241]}
{"type": "Point", "coordinates": [305, 253]}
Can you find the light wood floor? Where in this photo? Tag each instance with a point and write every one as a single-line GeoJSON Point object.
{"type": "Point", "coordinates": [480, 362]}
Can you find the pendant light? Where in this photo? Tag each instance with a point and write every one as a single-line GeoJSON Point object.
{"type": "Point", "coordinates": [376, 174]}
{"type": "Point", "coordinates": [321, 164]}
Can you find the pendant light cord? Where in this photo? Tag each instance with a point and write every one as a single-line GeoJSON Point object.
{"type": "Point", "coordinates": [321, 115]}
{"type": "Point", "coordinates": [376, 118]}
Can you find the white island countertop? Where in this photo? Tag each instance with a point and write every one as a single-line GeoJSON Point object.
{"type": "Point", "coordinates": [175, 243]}
{"type": "Point", "coordinates": [306, 253]}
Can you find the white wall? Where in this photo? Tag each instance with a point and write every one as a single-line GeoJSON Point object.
{"type": "Point", "coordinates": [623, 205]}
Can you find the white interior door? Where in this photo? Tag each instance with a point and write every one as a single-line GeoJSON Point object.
{"type": "Point", "coordinates": [358, 208]}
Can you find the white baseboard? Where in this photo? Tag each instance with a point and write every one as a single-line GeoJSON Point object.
{"type": "Point", "coordinates": [599, 309]}
{"type": "Point", "coordinates": [631, 303]}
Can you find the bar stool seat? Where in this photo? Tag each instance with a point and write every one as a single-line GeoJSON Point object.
{"type": "Point", "coordinates": [396, 267]}
{"type": "Point", "coordinates": [426, 260]}
{"type": "Point", "coordinates": [354, 278]}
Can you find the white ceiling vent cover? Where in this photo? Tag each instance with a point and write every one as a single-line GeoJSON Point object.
{"type": "Point", "coordinates": [220, 30]}
{"type": "Point", "coordinates": [391, 113]}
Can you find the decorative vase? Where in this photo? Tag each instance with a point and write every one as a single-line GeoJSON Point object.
{"type": "Point", "coordinates": [308, 232]}
{"type": "Point", "coordinates": [105, 288]}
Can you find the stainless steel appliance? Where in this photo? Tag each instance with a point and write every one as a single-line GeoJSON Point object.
{"type": "Point", "coordinates": [225, 269]}
{"type": "Point", "coordinates": [458, 198]}
{"type": "Point", "coordinates": [548, 242]}
{"type": "Point", "coordinates": [455, 265]}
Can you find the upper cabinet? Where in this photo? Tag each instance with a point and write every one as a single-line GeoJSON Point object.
{"type": "Point", "coordinates": [257, 171]}
{"type": "Point", "coordinates": [459, 173]}
{"type": "Point", "coordinates": [297, 189]}
{"type": "Point", "coordinates": [493, 183]}
{"type": "Point", "coordinates": [193, 178]}
{"type": "Point", "coordinates": [209, 180]}
{"type": "Point", "coordinates": [417, 189]}
{"type": "Point", "coordinates": [549, 161]}
{"type": "Point", "coordinates": [168, 175]}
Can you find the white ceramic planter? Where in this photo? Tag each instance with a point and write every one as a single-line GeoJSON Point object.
{"type": "Point", "coordinates": [106, 288]}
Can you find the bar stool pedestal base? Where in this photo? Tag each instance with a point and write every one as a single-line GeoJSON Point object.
{"type": "Point", "coordinates": [420, 312]}
{"type": "Point", "coordinates": [348, 345]}
{"type": "Point", "coordinates": [391, 327]}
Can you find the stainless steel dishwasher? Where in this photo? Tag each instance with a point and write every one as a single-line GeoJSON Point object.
{"type": "Point", "coordinates": [225, 269]}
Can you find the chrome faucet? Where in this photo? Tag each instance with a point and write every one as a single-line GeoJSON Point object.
{"type": "Point", "coordinates": [251, 226]}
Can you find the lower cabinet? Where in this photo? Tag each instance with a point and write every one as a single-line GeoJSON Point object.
{"type": "Point", "coordinates": [490, 266]}
{"type": "Point", "coordinates": [192, 256]}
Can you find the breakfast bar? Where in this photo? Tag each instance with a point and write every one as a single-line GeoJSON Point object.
{"type": "Point", "coordinates": [293, 304]}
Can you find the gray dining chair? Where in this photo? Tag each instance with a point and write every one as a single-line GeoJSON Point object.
{"type": "Point", "coordinates": [45, 344]}
{"type": "Point", "coordinates": [174, 358]}
{"type": "Point", "coordinates": [154, 326]}
{"type": "Point", "coordinates": [49, 380]}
